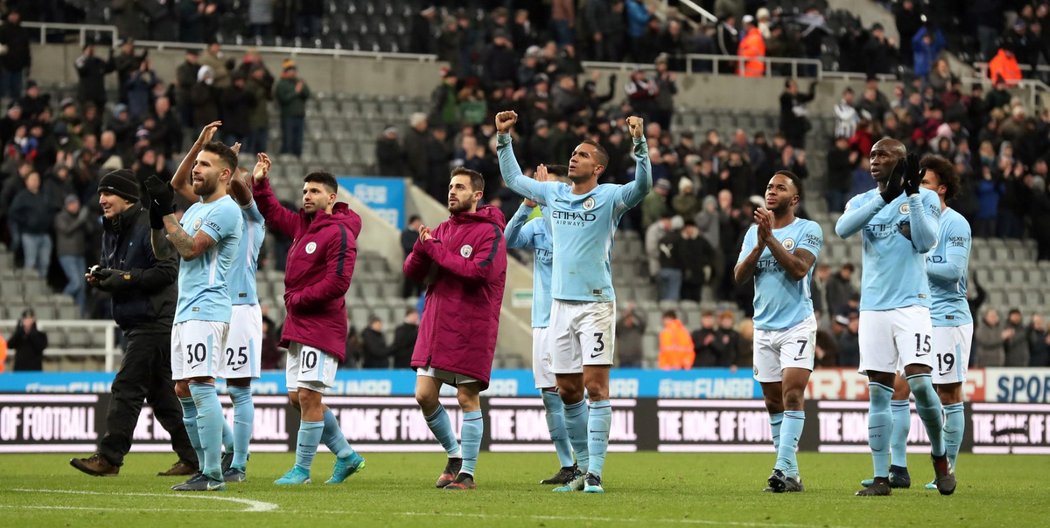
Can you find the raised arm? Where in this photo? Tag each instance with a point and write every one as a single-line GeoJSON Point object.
{"type": "Point", "coordinates": [339, 268]}
{"type": "Point", "coordinates": [633, 193]}
{"type": "Point", "coordinates": [508, 164]}
{"type": "Point", "coordinates": [516, 233]}
{"type": "Point", "coordinates": [858, 214]}
{"type": "Point", "coordinates": [489, 251]}
{"type": "Point", "coordinates": [181, 182]}
{"type": "Point", "coordinates": [923, 222]}
{"type": "Point", "coordinates": [276, 215]}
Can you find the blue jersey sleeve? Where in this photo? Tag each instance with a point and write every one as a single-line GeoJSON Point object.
{"type": "Point", "coordinates": [516, 181]}
{"type": "Point", "coordinates": [633, 193]}
{"type": "Point", "coordinates": [924, 216]}
{"type": "Point", "coordinates": [812, 239]}
{"type": "Point", "coordinates": [222, 221]}
{"type": "Point", "coordinates": [251, 213]}
{"type": "Point", "coordinates": [957, 242]}
{"type": "Point", "coordinates": [859, 211]}
{"type": "Point", "coordinates": [750, 240]}
{"type": "Point", "coordinates": [518, 233]}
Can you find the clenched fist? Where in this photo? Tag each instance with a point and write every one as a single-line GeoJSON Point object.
{"type": "Point", "coordinates": [635, 125]}
{"type": "Point", "coordinates": [505, 121]}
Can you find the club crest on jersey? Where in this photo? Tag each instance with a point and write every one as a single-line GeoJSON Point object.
{"type": "Point", "coordinates": [588, 204]}
{"type": "Point", "coordinates": [197, 224]}
{"type": "Point", "coordinates": [466, 251]}
{"type": "Point", "coordinates": [904, 208]}
{"type": "Point", "coordinates": [789, 243]}
{"type": "Point", "coordinates": [311, 247]}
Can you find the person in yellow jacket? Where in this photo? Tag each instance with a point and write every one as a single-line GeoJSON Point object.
{"type": "Point", "coordinates": [676, 345]}
{"type": "Point", "coordinates": [753, 47]}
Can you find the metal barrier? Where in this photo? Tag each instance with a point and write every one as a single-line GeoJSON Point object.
{"type": "Point", "coordinates": [81, 29]}
{"type": "Point", "coordinates": [795, 64]}
{"type": "Point", "coordinates": [109, 351]}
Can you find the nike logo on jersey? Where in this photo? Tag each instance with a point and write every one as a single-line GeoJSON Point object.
{"type": "Point", "coordinates": [923, 354]}
{"type": "Point", "coordinates": [596, 355]}
{"type": "Point", "coordinates": [944, 373]}
{"type": "Point", "coordinates": [800, 356]}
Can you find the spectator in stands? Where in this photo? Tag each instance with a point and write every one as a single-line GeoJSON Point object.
{"type": "Point", "coordinates": [819, 293]}
{"type": "Point", "coordinates": [1004, 68]}
{"type": "Point", "coordinates": [880, 52]}
{"type": "Point", "coordinates": [727, 340]}
{"type": "Point", "coordinates": [499, 61]}
{"type": "Point", "coordinates": [438, 155]}
{"type": "Point", "coordinates": [752, 48]}
{"type": "Point", "coordinates": [909, 22]}
{"type": "Point", "coordinates": [641, 92]}
{"type": "Point", "coordinates": [205, 98]}
{"type": "Point", "coordinates": [676, 345]}
{"type": "Point", "coordinates": [846, 329]}
{"type": "Point", "coordinates": [185, 78]}
{"type": "Point", "coordinates": [73, 228]}
{"type": "Point", "coordinates": [28, 343]}
{"type": "Point", "coordinates": [126, 62]}
{"type": "Point", "coordinates": [259, 84]}
{"type": "Point", "coordinates": [655, 205]}
{"type": "Point", "coordinates": [794, 122]}
{"type": "Point", "coordinates": [292, 94]}
{"type": "Point", "coordinates": [826, 351]}
{"type": "Point", "coordinates": [707, 354]}
{"type": "Point", "coordinates": [1039, 214]}
{"type": "Point", "coordinates": [926, 45]}
{"type": "Point", "coordinates": [376, 354]}
{"type": "Point", "coordinates": [389, 156]}
{"type": "Point", "coordinates": [698, 260]}
{"type": "Point", "coordinates": [92, 71]}
{"type": "Point", "coordinates": [629, 331]}
{"type": "Point", "coordinates": [940, 77]}
{"type": "Point", "coordinates": [669, 257]}
{"type": "Point", "coordinates": [1038, 342]}
{"type": "Point", "coordinates": [414, 146]}
{"type": "Point", "coordinates": [139, 91]}
{"type": "Point", "coordinates": [653, 235]}
{"type": "Point", "coordinates": [563, 20]}
{"type": "Point", "coordinates": [686, 203]}
{"type": "Point", "coordinates": [405, 339]}
{"type": "Point", "coordinates": [989, 341]}
{"type": "Point", "coordinates": [237, 104]}
{"type": "Point", "coordinates": [34, 214]}
{"type": "Point", "coordinates": [846, 116]}
{"type": "Point", "coordinates": [840, 289]}
{"type": "Point", "coordinates": [842, 160]}
{"type": "Point", "coordinates": [1017, 353]}
{"type": "Point", "coordinates": [260, 18]}
{"type": "Point", "coordinates": [15, 59]}
{"type": "Point", "coordinates": [444, 102]}
{"type": "Point", "coordinates": [214, 58]}
{"type": "Point", "coordinates": [663, 104]}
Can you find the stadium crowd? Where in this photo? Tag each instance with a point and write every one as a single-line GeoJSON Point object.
{"type": "Point", "coordinates": [55, 151]}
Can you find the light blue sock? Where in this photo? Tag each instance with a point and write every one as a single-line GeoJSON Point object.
{"type": "Point", "coordinates": [576, 426]}
{"type": "Point", "coordinates": [189, 419]}
{"type": "Point", "coordinates": [880, 427]}
{"type": "Point", "coordinates": [775, 421]}
{"type": "Point", "coordinates": [598, 424]}
{"type": "Point", "coordinates": [441, 426]}
{"type": "Point", "coordinates": [790, 433]}
{"type": "Point", "coordinates": [243, 424]}
{"type": "Point", "coordinates": [471, 431]}
{"type": "Point", "coordinates": [555, 412]}
{"type": "Point", "coordinates": [954, 426]}
{"type": "Point", "coordinates": [928, 406]}
{"type": "Point", "coordinates": [209, 427]}
{"type": "Point", "coordinates": [333, 436]}
{"type": "Point", "coordinates": [900, 412]}
{"type": "Point", "coordinates": [309, 438]}
{"type": "Point", "coordinates": [227, 436]}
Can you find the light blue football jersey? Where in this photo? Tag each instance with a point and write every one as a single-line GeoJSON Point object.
{"type": "Point", "coordinates": [896, 236]}
{"type": "Point", "coordinates": [946, 266]}
{"type": "Point", "coordinates": [204, 293]}
{"type": "Point", "coordinates": [780, 301]}
{"type": "Point", "coordinates": [535, 235]}
{"type": "Point", "coordinates": [583, 225]}
{"type": "Point", "coordinates": [242, 275]}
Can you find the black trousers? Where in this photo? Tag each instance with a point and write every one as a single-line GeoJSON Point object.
{"type": "Point", "coordinates": [145, 374]}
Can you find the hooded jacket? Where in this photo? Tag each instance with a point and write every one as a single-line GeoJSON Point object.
{"type": "Point", "coordinates": [144, 303]}
{"type": "Point", "coordinates": [320, 265]}
{"type": "Point", "coordinates": [468, 261]}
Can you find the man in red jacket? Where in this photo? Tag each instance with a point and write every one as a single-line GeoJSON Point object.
{"type": "Point", "coordinates": [466, 256]}
{"type": "Point", "coordinates": [320, 265]}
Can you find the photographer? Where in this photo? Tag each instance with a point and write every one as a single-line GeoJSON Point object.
{"type": "Point", "coordinates": [144, 293]}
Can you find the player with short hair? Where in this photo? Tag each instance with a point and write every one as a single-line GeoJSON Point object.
{"type": "Point", "coordinates": [207, 240]}
{"type": "Point", "coordinates": [242, 358]}
{"type": "Point", "coordinates": [779, 251]}
{"type": "Point", "coordinates": [535, 234]}
{"type": "Point", "coordinates": [899, 223]}
{"type": "Point", "coordinates": [946, 266]}
{"type": "Point", "coordinates": [584, 216]}
{"type": "Point", "coordinates": [320, 266]}
{"type": "Point", "coordinates": [464, 263]}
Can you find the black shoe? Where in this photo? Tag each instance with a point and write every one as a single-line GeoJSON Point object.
{"type": "Point", "coordinates": [450, 472]}
{"type": "Point", "coordinates": [464, 481]}
{"type": "Point", "coordinates": [227, 461]}
{"type": "Point", "coordinates": [944, 475]}
{"type": "Point", "coordinates": [179, 469]}
{"type": "Point", "coordinates": [95, 465]}
{"type": "Point", "coordinates": [593, 484]}
{"type": "Point", "coordinates": [563, 476]}
{"type": "Point", "coordinates": [899, 477]}
{"type": "Point", "coordinates": [879, 488]}
{"type": "Point", "coordinates": [777, 481]}
{"type": "Point", "coordinates": [200, 482]}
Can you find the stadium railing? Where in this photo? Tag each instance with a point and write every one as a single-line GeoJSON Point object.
{"type": "Point", "coordinates": [82, 30]}
{"type": "Point", "coordinates": [109, 351]}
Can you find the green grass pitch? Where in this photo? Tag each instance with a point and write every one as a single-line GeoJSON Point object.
{"type": "Point", "coordinates": [642, 490]}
